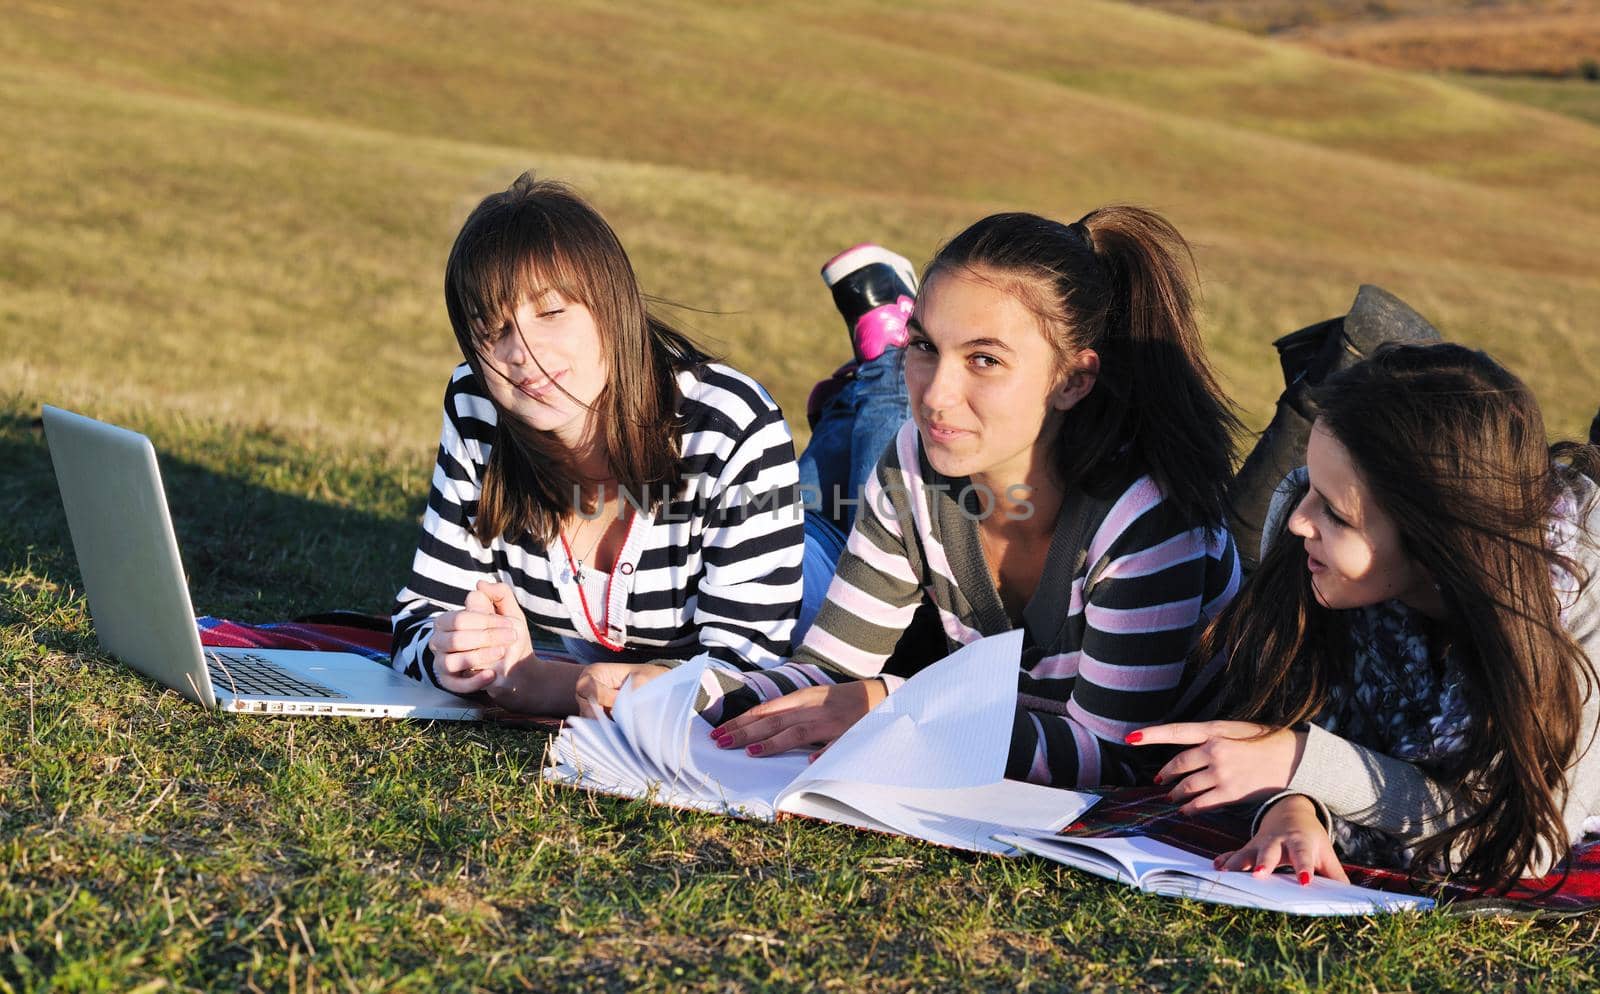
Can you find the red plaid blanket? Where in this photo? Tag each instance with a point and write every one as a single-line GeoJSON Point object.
{"type": "Point", "coordinates": [1572, 888]}
{"type": "Point", "coordinates": [365, 635]}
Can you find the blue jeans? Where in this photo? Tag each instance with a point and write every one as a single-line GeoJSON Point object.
{"type": "Point", "coordinates": [855, 428]}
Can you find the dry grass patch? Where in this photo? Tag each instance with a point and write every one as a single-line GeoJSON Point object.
{"type": "Point", "coordinates": [287, 275]}
{"type": "Point", "coordinates": [1550, 40]}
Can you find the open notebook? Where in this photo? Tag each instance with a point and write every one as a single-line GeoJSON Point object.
{"type": "Point", "coordinates": [927, 763]}
{"type": "Point", "coordinates": [1159, 868]}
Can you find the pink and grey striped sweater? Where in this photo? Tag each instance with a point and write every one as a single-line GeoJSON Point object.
{"type": "Point", "coordinates": [1107, 634]}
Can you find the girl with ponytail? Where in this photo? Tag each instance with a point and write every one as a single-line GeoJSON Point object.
{"type": "Point", "coordinates": [1063, 472]}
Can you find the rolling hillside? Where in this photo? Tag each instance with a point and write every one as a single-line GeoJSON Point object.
{"type": "Point", "coordinates": [225, 223]}
{"type": "Point", "coordinates": [240, 211]}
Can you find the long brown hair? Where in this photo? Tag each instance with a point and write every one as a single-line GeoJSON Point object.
{"type": "Point", "coordinates": [1117, 281]}
{"type": "Point", "coordinates": [1453, 448]}
{"type": "Point", "coordinates": [537, 236]}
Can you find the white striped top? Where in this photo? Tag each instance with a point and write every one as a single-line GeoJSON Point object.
{"type": "Point", "coordinates": [1106, 646]}
{"type": "Point", "coordinates": [715, 569]}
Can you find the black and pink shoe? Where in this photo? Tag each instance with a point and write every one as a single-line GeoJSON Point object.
{"type": "Point", "coordinates": [875, 290]}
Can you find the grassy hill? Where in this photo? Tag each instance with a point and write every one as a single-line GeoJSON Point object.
{"type": "Point", "coordinates": [288, 181]}
{"type": "Point", "coordinates": [1541, 53]}
{"type": "Point", "coordinates": [225, 223]}
{"type": "Point", "coordinates": [1547, 38]}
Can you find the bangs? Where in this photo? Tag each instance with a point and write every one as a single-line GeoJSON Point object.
{"type": "Point", "coordinates": [494, 268]}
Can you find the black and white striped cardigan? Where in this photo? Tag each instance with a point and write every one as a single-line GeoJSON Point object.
{"type": "Point", "coordinates": [716, 569]}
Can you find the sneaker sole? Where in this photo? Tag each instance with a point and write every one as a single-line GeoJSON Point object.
{"type": "Point", "coordinates": [866, 254]}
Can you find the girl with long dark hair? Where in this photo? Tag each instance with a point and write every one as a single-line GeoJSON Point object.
{"type": "Point", "coordinates": [598, 477]}
{"type": "Point", "coordinates": [1411, 662]}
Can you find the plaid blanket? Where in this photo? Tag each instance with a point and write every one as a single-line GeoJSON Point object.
{"type": "Point", "coordinates": [341, 631]}
{"type": "Point", "coordinates": [346, 631]}
{"type": "Point", "coordinates": [1572, 888]}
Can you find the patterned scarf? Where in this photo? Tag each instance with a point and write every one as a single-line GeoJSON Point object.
{"type": "Point", "coordinates": [1403, 700]}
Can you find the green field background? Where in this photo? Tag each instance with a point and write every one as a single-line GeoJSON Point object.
{"type": "Point", "coordinates": [240, 211]}
{"type": "Point", "coordinates": [225, 223]}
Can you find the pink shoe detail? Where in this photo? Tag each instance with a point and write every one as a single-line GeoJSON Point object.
{"type": "Point", "coordinates": [883, 328]}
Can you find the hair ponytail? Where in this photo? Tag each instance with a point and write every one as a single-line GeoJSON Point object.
{"type": "Point", "coordinates": [1118, 281]}
{"type": "Point", "coordinates": [1163, 395]}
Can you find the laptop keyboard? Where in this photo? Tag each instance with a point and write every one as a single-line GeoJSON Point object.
{"type": "Point", "coordinates": [245, 673]}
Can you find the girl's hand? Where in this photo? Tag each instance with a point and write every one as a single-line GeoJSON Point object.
{"type": "Point", "coordinates": [475, 648]}
{"type": "Point", "coordinates": [1290, 835]}
{"type": "Point", "coordinates": [597, 687]}
{"type": "Point", "coordinates": [1231, 761]}
{"type": "Point", "coordinates": [810, 716]}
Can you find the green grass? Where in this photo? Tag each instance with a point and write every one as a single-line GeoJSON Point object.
{"type": "Point", "coordinates": [148, 843]}
{"type": "Point", "coordinates": [1575, 97]}
{"type": "Point", "coordinates": [224, 224]}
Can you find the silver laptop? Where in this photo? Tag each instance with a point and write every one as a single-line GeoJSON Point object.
{"type": "Point", "coordinates": [117, 512]}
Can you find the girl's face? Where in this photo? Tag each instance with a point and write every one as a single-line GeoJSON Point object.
{"type": "Point", "coordinates": [984, 385]}
{"type": "Point", "coordinates": [1353, 547]}
{"type": "Point", "coordinates": [545, 364]}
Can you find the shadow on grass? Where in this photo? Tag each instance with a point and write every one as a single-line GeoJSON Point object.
{"type": "Point", "coordinates": [255, 545]}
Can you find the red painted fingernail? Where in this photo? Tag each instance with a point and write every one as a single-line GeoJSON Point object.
{"type": "Point", "coordinates": [754, 750]}
{"type": "Point", "coordinates": [1134, 738]}
{"type": "Point", "coordinates": [1305, 877]}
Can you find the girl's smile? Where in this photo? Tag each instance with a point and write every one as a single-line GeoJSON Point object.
{"type": "Point", "coordinates": [541, 387]}
{"type": "Point", "coordinates": [946, 433]}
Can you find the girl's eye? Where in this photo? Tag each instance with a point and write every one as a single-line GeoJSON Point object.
{"type": "Point", "coordinates": [985, 361]}
{"type": "Point", "coordinates": [552, 312]}
{"type": "Point", "coordinates": [1328, 512]}
{"type": "Point", "coordinates": [920, 345]}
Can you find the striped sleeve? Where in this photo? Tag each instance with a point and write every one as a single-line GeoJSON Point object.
{"type": "Point", "coordinates": [870, 602]}
{"type": "Point", "coordinates": [449, 560]}
{"type": "Point", "coordinates": [752, 546]}
{"type": "Point", "coordinates": [1160, 582]}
